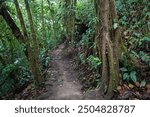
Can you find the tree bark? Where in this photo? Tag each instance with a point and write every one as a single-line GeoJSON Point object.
{"type": "Point", "coordinates": [11, 23]}
{"type": "Point", "coordinates": [108, 45]}
{"type": "Point", "coordinates": [43, 26]}
{"type": "Point", "coordinates": [36, 47]}
{"type": "Point", "coordinates": [52, 19]}
{"type": "Point", "coordinates": [26, 38]}
{"type": "Point", "coordinates": [70, 6]}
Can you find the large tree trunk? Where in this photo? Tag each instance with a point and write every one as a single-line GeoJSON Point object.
{"type": "Point", "coordinates": [108, 47]}
{"type": "Point", "coordinates": [39, 76]}
{"type": "Point", "coordinates": [70, 6]}
{"type": "Point", "coordinates": [31, 56]}
{"type": "Point", "coordinates": [11, 23]}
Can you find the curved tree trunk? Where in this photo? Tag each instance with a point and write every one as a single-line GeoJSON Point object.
{"type": "Point", "coordinates": [108, 45]}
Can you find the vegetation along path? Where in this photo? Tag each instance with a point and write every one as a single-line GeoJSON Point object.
{"type": "Point", "coordinates": [109, 39]}
{"type": "Point", "coordinates": [63, 82]}
{"type": "Point", "coordinates": [66, 84]}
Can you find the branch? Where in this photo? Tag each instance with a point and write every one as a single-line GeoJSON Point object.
{"type": "Point", "coordinates": [11, 23]}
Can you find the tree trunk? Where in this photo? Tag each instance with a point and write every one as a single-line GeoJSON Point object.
{"type": "Point", "coordinates": [43, 26]}
{"type": "Point", "coordinates": [107, 40]}
{"type": "Point", "coordinates": [31, 56]}
{"type": "Point", "coordinates": [38, 73]}
{"type": "Point", "coordinates": [52, 19]}
{"type": "Point", "coordinates": [11, 23]}
{"type": "Point", "coordinates": [70, 6]}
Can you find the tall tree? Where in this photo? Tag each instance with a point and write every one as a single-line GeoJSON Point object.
{"type": "Point", "coordinates": [43, 25]}
{"type": "Point", "coordinates": [108, 44]}
{"type": "Point", "coordinates": [11, 23]}
{"type": "Point", "coordinates": [70, 6]}
{"type": "Point", "coordinates": [38, 73]}
{"type": "Point", "coordinates": [31, 56]}
{"type": "Point", "coordinates": [52, 19]}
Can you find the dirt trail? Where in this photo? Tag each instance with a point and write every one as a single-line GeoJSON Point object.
{"type": "Point", "coordinates": [63, 83]}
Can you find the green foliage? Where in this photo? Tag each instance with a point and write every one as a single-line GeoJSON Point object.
{"type": "Point", "coordinates": [134, 17]}
{"type": "Point", "coordinates": [13, 76]}
{"type": "Point", "coordinates": [82, 59]}
{"type": "Point", "coordinates": [129, 75]}
{"type": "Point", "coordinates": [115, 25]}
{"type": "Point", "coordinates": [14, 71]}
{"type": "Point", "coordinates": [143, 83]}
{"type": "Point", "coordinates": [85, 12]}
{"type": "Point", "coordinates": [93, 61]}
{"type": "Point", "coordinates": [144, 57]}
{"type": "Point", "coordinates": [45, 58]}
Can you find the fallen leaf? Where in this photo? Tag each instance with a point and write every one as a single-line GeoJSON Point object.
{"type": "Point", "coordinates": [131, 86]}
{"type": "Point", "coordinates": [126, 87]}
{"type": "Point", "coordinates": [119, 88]}
{"type": "Point", "coordinates": [137, 84]}
{"type": "Point", "coordinates": [126, 95]}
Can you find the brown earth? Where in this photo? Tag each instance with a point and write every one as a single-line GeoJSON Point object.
{"type": "Point", "coordinates": [63, 83]}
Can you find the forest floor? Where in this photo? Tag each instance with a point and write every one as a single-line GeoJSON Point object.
{"type": "Point", "coordinates": [63, 82]}
{"type": "Point", "coordinates": [67, 80]}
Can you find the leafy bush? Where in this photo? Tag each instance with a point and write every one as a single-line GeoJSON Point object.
{"type": "Point", "coordinates": [94, 62]}
{"type": "Point", "coordinates": [129, 75]}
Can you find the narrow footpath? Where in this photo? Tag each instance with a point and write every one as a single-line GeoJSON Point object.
{"type": "Point", "coordinates": [63, 82]}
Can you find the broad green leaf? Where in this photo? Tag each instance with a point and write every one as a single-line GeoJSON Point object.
{"type": "Point", "coordinates": [144, 56]}
{"type": "Point", "coordinates": [135, 54]}
{"type": "Point", "coordinates": [126, 76]}
{"type": "Point", "coordinates": [133, 76]}
{"type": "Point", "coordinates": [145, 39]}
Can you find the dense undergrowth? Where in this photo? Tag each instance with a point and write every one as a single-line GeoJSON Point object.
{"type": "Point", "coordinates": [135, 61]}
{"type": "Point", "coordinates": [15, 75]}
{"type": "Point", "coordinates": [134, 23]}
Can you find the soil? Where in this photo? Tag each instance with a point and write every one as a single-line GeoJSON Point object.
{"type": "Point", "coordinates": [63, 82]}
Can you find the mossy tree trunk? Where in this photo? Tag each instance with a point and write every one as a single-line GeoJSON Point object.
{"type": "Point", "coordinates": [31, 57]}
{"type": "Point", "coordinates": [43, 25]}
{"type": "Point", "coordinates": [70, 7]}
{"type": "Point", "coordinates": [108, 45]}
{"type": "Point", "coordinates": [39, 77]}
{"type": "Point", "coordinates": [11, 23]}
{"type": "Point", "coordinates": [53, 29]}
